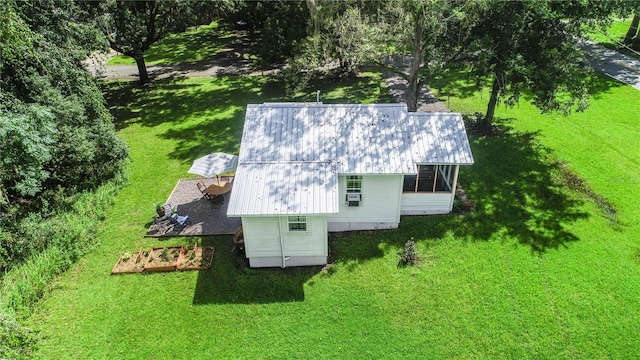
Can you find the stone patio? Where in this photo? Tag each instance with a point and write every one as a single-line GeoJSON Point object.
{"type": "Point", "coordinates": [206, 218]}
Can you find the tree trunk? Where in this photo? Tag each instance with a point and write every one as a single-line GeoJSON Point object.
{"type": "Point", "coordinates": [413, 76]}
{"type": "Point", "coordinates": [633, 30]}
{"type": "Point", "coordinates": [414, 85]}
{"type": "Point", "coordinates": [493, 101]}
{"type": "Point", "coordinates": [635, 44]}
{"type": "Point", "coordinates": [142, 69]}
{"type": "Point", "coordinates": [413, 91]}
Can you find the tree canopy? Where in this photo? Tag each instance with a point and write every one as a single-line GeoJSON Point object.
{"type": "Point", "coordinates": [131, 27]}
{"type": "Point", "coordinates": [56, 136]}
{"type": "Point", "coordinates": [515, 47]}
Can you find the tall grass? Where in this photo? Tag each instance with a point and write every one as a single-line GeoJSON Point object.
{"type": "Point", "coordinates": [69, 234]}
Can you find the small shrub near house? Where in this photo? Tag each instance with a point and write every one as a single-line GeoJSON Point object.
{"type": "Point", "coordinates": [409, 255]}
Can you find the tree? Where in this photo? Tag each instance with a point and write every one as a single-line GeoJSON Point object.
{"type": "Point", "coordinates": [531, 47]}
{"type": "Point", "coordinates": [632, 38]}
{"type": "Point", "coordinates": [131, 27]}
{"type": "Point", "coordinates": [413, 39]}
{"type": "Point", "coordinates": [283, 31]}
{"type": "Point", "coordinates": [57, 135]}
{"type": "Point", "coordinates": [427, 34]}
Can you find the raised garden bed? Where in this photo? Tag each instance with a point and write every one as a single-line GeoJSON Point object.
{"type": "Point", "coordinates": [163, 259]}
{"type": "Point", "coordinates": [130, 263]}
{"type": "Point", "coordinates": [197, 258]}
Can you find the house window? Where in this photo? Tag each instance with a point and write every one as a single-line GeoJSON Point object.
{"type": "Point", "coordinates": [297, 223]}
{"type": "Point", "coordinates": [354, 184]}
{"type": "Point", "coordinates": [430, 178]}
{"type": "Point", "coordinates": [354, 190]}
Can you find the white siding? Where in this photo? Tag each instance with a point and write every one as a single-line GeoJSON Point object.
{"type": "Point", "coordinates": [265, 237]}
{"type": "Point", "coordinates": [313, 242]}
{"type": "Point", "coordinates": [379, 206]}
{"type": "Point", "coordinates": [261, 236]}
{"type": "Point", "coordinates": [426, 203]}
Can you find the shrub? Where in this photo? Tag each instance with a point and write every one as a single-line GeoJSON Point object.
{"type": "Point", "coordinates": [16, 341]}
{"type": "Point", "coordinates": [409, 255]}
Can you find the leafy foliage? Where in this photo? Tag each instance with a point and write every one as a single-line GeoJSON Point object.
{"type": "Point", "coordinates": [58, 135]}
{"type": "Point", "coordinates": [283, 31]}
{"type": "Point", "coordinates": [15, 339]}
{"type": "Point", "coordinates": [530, 48]}
{"type": "Point", "coordinates": [131, 27]}
{"type": "Point", "coordinates": [57, 138]}
{"type": "Point", "coordinates": [409, 254]}
{"type": "Point", "coordinates": [25, 149]}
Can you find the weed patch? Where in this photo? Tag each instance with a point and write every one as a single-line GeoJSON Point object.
{"type": "Point", "coordinates": [575, 183]}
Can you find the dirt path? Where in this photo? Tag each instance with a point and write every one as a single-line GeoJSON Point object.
{"type": "Point", "coordinates": [612, 63]}
{"type": "Point", "coordinates": [233, 64]}
{"type": "Point", "coordinates": [228, 63]}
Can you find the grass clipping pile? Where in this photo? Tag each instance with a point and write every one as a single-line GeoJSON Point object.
{"type": "Point", "coordinates": [163, 259]}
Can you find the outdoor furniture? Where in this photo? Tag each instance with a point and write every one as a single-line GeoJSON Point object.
{"type": "Point", "coordinates": [218, 189]}
{"type": "Point", "coordinates": [171, 221]}
{"type": "Point", "coordinates": [203, 189]}
{"type": "Point", "coordinates": [214, 192]}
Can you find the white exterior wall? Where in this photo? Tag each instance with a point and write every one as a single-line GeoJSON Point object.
{"type": "Point", "coordinates": [426, 203]}
{"type": "Point", "coordinates": [379, 209]}
{"type": "Point", "coordinates": [429, 203]}
{"type": "Point", "coordinates": [265, 237]}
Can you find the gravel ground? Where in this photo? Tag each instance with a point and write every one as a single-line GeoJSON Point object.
{"type": "Point", "coordinates": [206, 217]}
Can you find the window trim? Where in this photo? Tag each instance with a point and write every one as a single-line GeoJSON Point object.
{"type": "Point", "coordinates": [441, 172]}
{"type": "Point", "coordinates": [357, 189]}
{"type": "Point", "coordinates": [357, 179]}
{"type": "Point", "coordinates": [297, 220]}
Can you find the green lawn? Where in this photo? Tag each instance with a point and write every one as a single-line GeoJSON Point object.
{"type": "Point", "coordinates": [614, 34]}
{"type": "Point", "coordinates": [537, 271]}
{"type": "Point", "coordinates": [195, 44]}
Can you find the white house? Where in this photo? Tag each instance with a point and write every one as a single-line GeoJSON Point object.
{"type": "Point", "coordinates": [308, 168]}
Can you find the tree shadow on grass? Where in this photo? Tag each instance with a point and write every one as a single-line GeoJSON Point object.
{"type": "Point", "coordinates": [199, 116]}
{"type": "Point", "coordinates": [518, 195]}
{"type": "Point", "coordinates": [231, 281]}
{"type": "Point", "coordinates": [203, 116]}
{"type": "Point", "coordinates": [460, 84]}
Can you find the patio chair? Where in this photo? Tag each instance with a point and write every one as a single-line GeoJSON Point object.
{"type": "Point", "coordinates": [203, 189]}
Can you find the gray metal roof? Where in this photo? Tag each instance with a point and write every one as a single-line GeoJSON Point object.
{"type": "Point", "coordinates": [281, 139]}
{"type": "Point", "coordinates": [286, 188]}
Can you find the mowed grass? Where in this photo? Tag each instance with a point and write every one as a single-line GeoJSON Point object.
{"type": "Point", "coordinates": [536, 271]}
{"type": "Point", "coordinates": [614, 35]}
{"type": "Point", "coordinates": [196, 44]}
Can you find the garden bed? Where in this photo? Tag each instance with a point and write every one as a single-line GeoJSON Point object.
{"type": "Point", "coordinates": [163, 259]}
{"type": "Point", "coordinates": [197, 258]}
{"type": "Point", "coordinates": [130, 263]}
